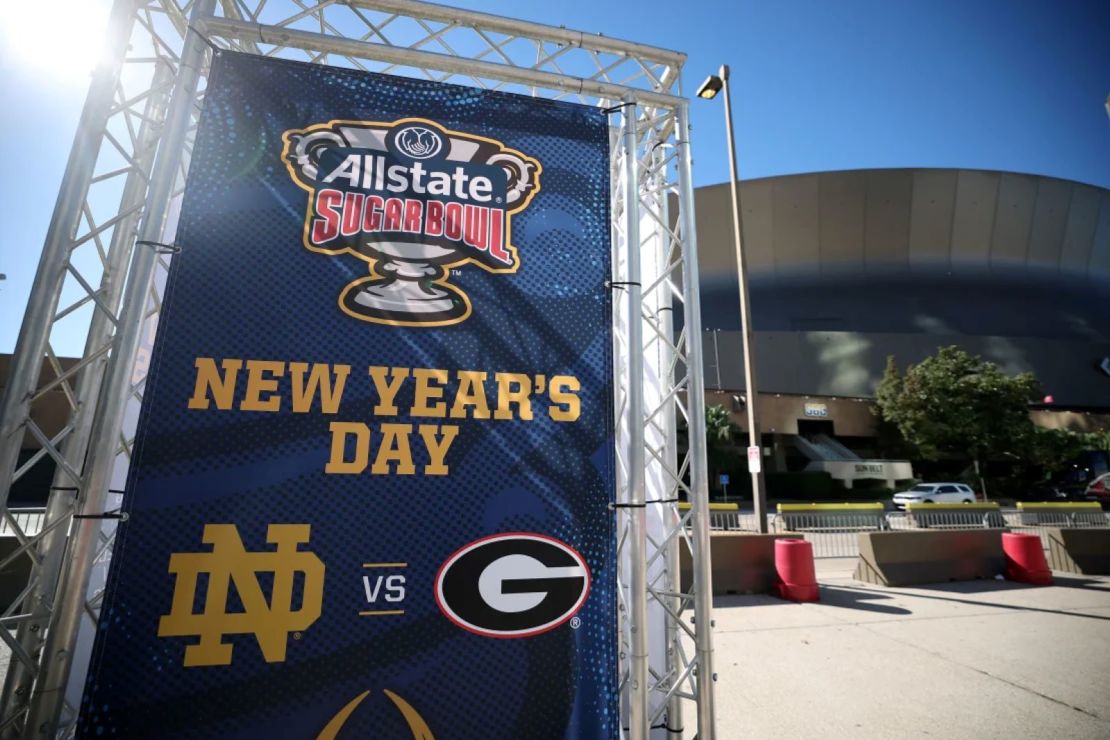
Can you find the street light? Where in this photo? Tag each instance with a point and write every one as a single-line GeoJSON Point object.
{"type": "Point", "coordinates": [708, 90]}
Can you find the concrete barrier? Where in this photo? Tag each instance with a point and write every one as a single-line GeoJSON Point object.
{"type": "Point", "coordinates": [743, 563]}
{"type": "Point", "coordinates": [1085, 551]}
{"type": "Point", "coordinates": [906, 558]}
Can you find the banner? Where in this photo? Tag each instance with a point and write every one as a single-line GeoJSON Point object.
{"type": "Point", "coordinates": [371, 493]}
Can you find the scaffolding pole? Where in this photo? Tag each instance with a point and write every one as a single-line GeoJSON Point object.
{"type": "Point", "coordinates": [48, 696]}
{"type": "Point", "coordinates": [60, 503]}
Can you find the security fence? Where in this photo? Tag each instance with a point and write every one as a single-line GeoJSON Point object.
{"type": "Point", "coordinates": [954, 516]}
{"type": "Point", "coordinates": [27, 521]}
{"type": "Point", "coordinates": [1038, 518]}
{"type": "Point", "coordinates": [833, 529]}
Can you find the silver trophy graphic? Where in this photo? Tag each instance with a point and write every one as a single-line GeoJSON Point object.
{"type": "Point", "coordinates": [413, 199]}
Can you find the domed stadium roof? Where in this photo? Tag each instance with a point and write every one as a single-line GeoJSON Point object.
{"type": "Point", "coordinates": [847, 267]}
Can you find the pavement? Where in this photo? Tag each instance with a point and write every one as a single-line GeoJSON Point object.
{"type": "Point", "coordinates": [978, 659]}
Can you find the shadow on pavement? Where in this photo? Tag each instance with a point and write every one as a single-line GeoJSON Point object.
{"type": "Point", "coordinates": [999, 586]}
{"type": "Point", "coordinates": [981, 585]}
{"type": "Point", "coordinates": [850, 598]}
{"type": "Point", "coordinates": [1089, 584]}
{"type": "Point", "coordinates": [728, 601]}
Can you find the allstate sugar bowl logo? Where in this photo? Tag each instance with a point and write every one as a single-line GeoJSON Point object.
{"type": "Point", "coordinates": [413, 199]}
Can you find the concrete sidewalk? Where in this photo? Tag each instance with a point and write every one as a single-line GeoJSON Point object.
{"type": "Point", "coordinates": [980, 659]}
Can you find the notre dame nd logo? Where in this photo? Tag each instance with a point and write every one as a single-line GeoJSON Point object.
{"type": "Point", "coordinates": [229, 562]}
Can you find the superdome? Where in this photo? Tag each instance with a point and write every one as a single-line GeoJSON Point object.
{"type": "Point", "coordinates": [848, 267]}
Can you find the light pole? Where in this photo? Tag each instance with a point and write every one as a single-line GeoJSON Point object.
{"type": "Point", "coordinates": [708, 90]}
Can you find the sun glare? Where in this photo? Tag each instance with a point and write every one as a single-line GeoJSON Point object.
{"type": "Point", "coordinates": [61, 41]}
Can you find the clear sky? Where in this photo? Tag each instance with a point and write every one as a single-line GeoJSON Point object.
{"type": "Point", "coordinates": [818, 85]}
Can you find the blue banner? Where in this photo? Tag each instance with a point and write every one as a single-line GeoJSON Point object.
{"type": "Point", "coordinates": [372, 484]}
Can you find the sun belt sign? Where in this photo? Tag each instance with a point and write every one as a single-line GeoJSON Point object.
{"type": "Point", "coordinates": [413, 199]}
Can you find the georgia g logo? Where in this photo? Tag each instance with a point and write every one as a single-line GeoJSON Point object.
{"type": "Point", "coordinates": [413, 199]}
{"type": "Point", "coordinates": [516, 584]}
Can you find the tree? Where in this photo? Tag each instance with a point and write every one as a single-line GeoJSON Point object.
{"type": "Point", "coordinates": [718, 425]}
{"type": "Point", "coordinates": [957, 404]}
{"type": "Point", "coordinates": [719, 433]}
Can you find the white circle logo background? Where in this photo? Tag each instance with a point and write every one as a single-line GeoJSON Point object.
{"type": "Point", "coordinates": [419, 142]}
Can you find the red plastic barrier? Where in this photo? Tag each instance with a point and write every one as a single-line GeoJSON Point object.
{"type": "Point", "coordinates": [794, 563]}
{"type": "Point", "coordinates": [1025, 561]}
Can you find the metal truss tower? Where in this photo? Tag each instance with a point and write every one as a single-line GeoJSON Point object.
{"type": "Point", "coordinates": [102, 273]}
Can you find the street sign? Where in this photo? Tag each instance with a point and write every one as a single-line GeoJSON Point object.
{"type": "Point", "coordinates": [724, 479]}
{"type": "Point", "coordinates": [755, 459]}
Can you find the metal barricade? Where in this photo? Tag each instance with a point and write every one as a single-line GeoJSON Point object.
{"type": "Point", "coordinates": [955, 516]}
{"type": "Point", "coordinates": [832, 529]}
{"type": "Point", "coordinates": [1069, 514]}
{"type": "Point", "coordinates": [28, 520]}
{"type": "Point", "coordinates": [1037, 517]}
{"type": "Point", "coordinates": [726, 517]}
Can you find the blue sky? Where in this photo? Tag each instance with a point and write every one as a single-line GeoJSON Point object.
{"type": "Point", "coordinates": [995, 84]}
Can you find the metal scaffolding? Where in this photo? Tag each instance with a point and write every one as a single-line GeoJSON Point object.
{"type": "Point", "coordinates": [102, 272]}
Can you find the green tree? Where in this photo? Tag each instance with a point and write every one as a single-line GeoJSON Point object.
{"type": "Point", "coordinates": [719, 433]}
{"type": "Point", "coordinates": [1050, 449]}
{"type": "Point", "coordinates": [718, 425]}
{"type": "Point", "coordinates": [954, 404]}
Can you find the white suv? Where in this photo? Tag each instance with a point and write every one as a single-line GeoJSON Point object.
{"type": "Point", "coordinates": [935, 493]}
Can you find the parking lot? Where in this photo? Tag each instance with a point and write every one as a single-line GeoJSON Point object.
{"type": "Point", "coordinates": [978, 659]}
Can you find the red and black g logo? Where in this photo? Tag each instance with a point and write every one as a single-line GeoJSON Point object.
{"type": "Point", "coordinates": [516, 584]}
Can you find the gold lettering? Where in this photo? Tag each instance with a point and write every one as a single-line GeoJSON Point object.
{"type": "Point", "coordinates": [209, 380]}
{"type": "Point", "coordinates": [394, 447]}
{"type": "Point", "coordinates": [437, 448]}
{"type": "Point", "coordinates": [507, 395]}
{"type": "Point", "coordinates": [339, 432]}
{"type": "Point", "coordinates": [387, 388]}
{"type": "Point", "coordinates": [471, 392]}
{"type": "Point", "coordinates": [564, 392]}
{"type": "Point", "coordinates": [427, 392]}
{"type": "Point", "coordinates": [319, 381]}
{"type": "Point", "coordinates": [258, 383]}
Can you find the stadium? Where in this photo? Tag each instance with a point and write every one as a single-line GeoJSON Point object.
{"type": "Point", "coordinates": [846, 268]}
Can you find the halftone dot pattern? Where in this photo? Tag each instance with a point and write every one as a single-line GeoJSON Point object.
{"type": "Point", "coordinates": [245, 287]}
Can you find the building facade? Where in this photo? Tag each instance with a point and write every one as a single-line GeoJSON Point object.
{"type": "Point", "coordinates": [846, 268]}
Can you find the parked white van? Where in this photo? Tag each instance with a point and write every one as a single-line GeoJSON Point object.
{"type": "Point", "coordinates": [935, 493]}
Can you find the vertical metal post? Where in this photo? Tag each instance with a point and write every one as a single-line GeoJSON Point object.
{"type": "Point", "coordinates": [17, 686]}
{"type": "Point", "coordinates": [759, 490]}
{"type": "Point", "coordinates": [695, 404]}
{"type": "Point", "coordinates": [47, 288]}
{"type": "Point", "coordinates": [637, 535]}
{"type": "Point", "coordinates": [49, 693]}
{"type": "Point", "coordinates": [716, 357]}
{"type": "Point", "coordinates": [665, 320]}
